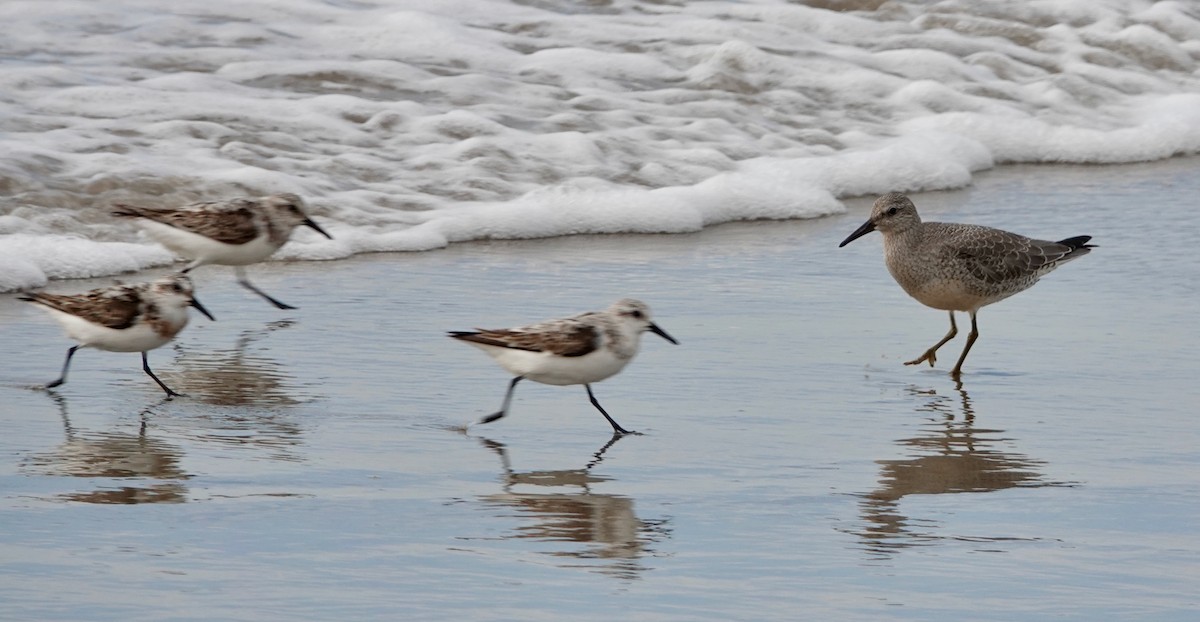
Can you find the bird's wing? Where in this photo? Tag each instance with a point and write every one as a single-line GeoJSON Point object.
{"type": "Point", "coordinates": [995, 256]}
{"type": "Point", "coordinates": [114, 307]}
{"type": "Point", "coordinates": [231, 222]}
{"type": "Point", "coordinates": [559, 337]}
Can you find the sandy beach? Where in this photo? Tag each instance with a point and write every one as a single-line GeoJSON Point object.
{"type": "Point", "coordinates": [791, 466]}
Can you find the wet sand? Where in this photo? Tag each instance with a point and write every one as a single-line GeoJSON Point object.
{"type": "Point", "coordinates": [791, 466]}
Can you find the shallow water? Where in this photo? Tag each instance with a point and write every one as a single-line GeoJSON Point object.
{"type": "Point", "coordinates": [790, 468]}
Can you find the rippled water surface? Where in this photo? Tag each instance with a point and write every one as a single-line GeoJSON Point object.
{"type": "Point", "coordinates": [790, 468]}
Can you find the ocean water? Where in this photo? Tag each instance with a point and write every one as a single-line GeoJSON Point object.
{"type": "Point", "coordinates": [410, 125]}
{"type": "Point", "coordinates": [791, 467]}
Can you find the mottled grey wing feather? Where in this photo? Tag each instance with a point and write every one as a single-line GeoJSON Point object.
{"type": "Point", "coordinates": [231, 223]}
{"type": "Point", "coordinates": [116, 308]}
{"type": "Point", "coordinates": [995, 256]}
{"type": "Point", "coordinates": [569, 340]}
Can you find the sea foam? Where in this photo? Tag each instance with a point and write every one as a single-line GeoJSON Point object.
{"type": "Point", "coordinates": [412, 124]}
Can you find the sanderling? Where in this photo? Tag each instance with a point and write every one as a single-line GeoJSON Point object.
{"type": "Point", "coordinates": [957, 267]}
{"type": "Point", "coordinates": [582, 349]}
{"type": "Point", "coordinates": [237, 232]}
{"type": "Point", "coordinates": [123, 318]}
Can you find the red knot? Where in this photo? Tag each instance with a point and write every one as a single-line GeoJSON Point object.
{"type": "Point", "coordinates": [958, 267]}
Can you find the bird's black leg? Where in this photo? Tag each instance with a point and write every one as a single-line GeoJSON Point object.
{"type": "Point", "coordinates": [507, 400]}
{"type": "Point", "coordinates": [971, 337]}
{"type": "Point", "coordinates": [616, 426]}
{"type": "Point", "coordinates": [66, 364]}
{"type": "Point", "coordinates": [146, 368]}
{"type": "Point", "coordinates": [241, 279]}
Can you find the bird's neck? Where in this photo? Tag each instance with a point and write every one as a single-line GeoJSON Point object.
{"type": "Point", "coordinates": [622, 341]}
{"type": "Point", "coordinates": [278, 231]}
{"type": "Point", "coordinates": [899, 241]}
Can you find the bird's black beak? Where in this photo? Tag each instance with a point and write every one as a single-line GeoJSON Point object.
{"type": "Point", "coordinates": [662, 333]}
{"type": "Point", "coordinates": [200, 308]}
{"type": "Point", "coordinates": [309, 223]}
{"type": "Point", "coordinates": [866, 228]}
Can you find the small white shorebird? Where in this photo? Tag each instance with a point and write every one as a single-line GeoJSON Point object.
{"type": "Point", "coordinates": [957, 267]}
{"type": "Point", "coordinates": [582, 349]}
{"type": "Point", "coordinates": [123, 318]}
{"type": "Point", "coordinates": [237, 232]}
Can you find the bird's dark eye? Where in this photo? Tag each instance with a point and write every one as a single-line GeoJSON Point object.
{"type": "Point", "coordinates": [892, 211]}
{"type": "Point", "coordinates": [637, 314]}
{"type": "Point", "coordinates": [176, 287]}
{"type": "Point", "coordinates": [293, 209]}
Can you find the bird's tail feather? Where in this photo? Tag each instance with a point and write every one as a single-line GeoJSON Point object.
{"type": "Point", "coordinates": [1077, 242]}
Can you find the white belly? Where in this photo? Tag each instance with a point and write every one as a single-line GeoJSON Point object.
{"type": "Point", "coordinates": [140, 337]}
{"type": "Point", "coordinates": [557, 370]}
{"type": "Point", "coordinates": [205, 250]}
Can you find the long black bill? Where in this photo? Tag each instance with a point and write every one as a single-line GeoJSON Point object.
{"type": "Point", "coordinates": [866, 228]}
{"type": "Point", "coordinates": [200, 308]}
{"type": "Point", "coordinates": [662, 333]}
{"type": "Point", "coordinates": [310, 223]}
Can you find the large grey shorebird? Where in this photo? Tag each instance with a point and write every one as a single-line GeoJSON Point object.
{"type": "Point", "coordinates": [959, 267]}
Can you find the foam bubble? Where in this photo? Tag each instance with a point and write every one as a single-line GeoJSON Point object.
{"type": "Point", "coordinates": [30, 260]}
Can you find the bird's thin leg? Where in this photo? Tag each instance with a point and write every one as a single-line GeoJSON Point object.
{"type": "Point", "coordinates": [931, 354]}
{"type": "Point", "coordinates": [616, 426]}
{"type": "Point", "coordinates": [241, 279]}
{"type": "Point", "coordinates": [66, 364]}
{"type": "Point", "coordinates": [971, 337]}
{"type": "Point", "coordinates": [507, 400]}
{"type": "Point", "coordinates": [146, 368]}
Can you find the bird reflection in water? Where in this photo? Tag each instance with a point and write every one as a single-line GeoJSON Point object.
{"type": "Point", "coordinates": [605, 525]}
{"type": "Point", "coordinates": [240, 376]}
{"type": "Point", "coordinates": [148, 467]}
{"type": "Point", "coordinates": [950, 455]}
{"type": "Point", "coordinates": [236, 376]}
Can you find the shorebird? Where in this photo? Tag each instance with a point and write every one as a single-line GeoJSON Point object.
{"type": "Point", "coordinates": [581, 349]}
{"type": "Point", "coordinates": [123, 318]}
{"type": "Point", "coordinates": [958, 267]}
{"type": "Point", "coordinates": [237, 232]}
